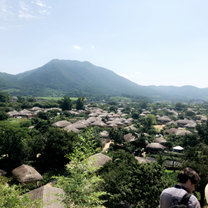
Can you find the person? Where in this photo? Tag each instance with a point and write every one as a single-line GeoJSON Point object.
{"type": "Point", "coordinates": [206, 192]}
{"type": "Point", "coordinates": [187, 179]}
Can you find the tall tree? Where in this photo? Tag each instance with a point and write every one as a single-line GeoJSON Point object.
{"type": "Point", "coordinates": [4, 97]}
{"type": "Point", "coordinates": [80, 103]}
{"type": "Point", "coordinates": [65, 103]}
{"type": "Point", "coordinates": [82, 187]}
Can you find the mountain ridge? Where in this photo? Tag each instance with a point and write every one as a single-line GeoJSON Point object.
{"type": "Point", "coordinates": [74, 78]}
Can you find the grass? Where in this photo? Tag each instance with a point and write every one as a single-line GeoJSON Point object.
{"type": "Point", "coordinates": [55, 98]}
{"type": "Point", "coordinates": [14, 121]}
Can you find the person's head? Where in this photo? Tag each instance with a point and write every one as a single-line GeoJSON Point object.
{"type": "Point", "coordinates": [189, 178]}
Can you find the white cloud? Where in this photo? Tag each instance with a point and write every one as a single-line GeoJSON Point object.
{"type": "Point", "coordinates": [23, 9]}
{"type": "Point", "coordinates": [92, 47]}
{"type": "Point", "coordinates": [39, 3]}
{"type": "Point", "coordinates": [6, 10]}
{"type": "Point", "coordinates": [76, 47]}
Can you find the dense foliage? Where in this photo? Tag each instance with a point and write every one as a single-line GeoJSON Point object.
{"type": "Point", "coordinates": [127, 182]}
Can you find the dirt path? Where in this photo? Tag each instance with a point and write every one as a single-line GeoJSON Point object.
{"type": "Point", "coordinates": [106, 147]}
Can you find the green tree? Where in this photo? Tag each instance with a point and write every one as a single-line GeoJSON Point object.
{"type": "Point", "coordinates": [65, 103]}
{"type": "Point", "coordinates": [10, 197]}
{"type": "Point", "coordinates": [113, 109]}
{"type": "Point", "coordinates": [203, 132]}
{"type": "Point", "coordinates": [57, 143]}
{"type": "Point", "coordinates": [131, 184]}
{"type": "Point", "coordinates": [80, 103]}
{"type": "Point", "coordinates": [196, 158]}
{"type": "Point", "coordinates": [14, 143]}
{"type": "Point", "coordinates": [4, 97]}
{"type": "Point", "coordinates": [3, 115]}
{"type": "Point", "coordinates": [82, 186]}
{"type": "Point", "coordinates": [117, 135]}
{"type": "Point", "coordinates": [180, 106]}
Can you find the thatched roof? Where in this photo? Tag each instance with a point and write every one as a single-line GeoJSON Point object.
{"type": "Point", "coordinates": [178, 132]}
{"type": "Point", "coordinates": [129, 137]}
{"type": "Point", "coordinates": [26, 174]}
{"type": "Point", "coordinates": [61, 124]}
{"type": "Point", "coordinates": [164, 119]}
{"type": "Point", "coordinates": [184, 122]}
{"type": "Point", "coordinates": [132, 127]}
{"type": "Point", "coordinates": [25, 112]}
{"type": "Point", "coordinates": [13, 113]}
{"type": "Point", "coordinates": [71, 128]}
{"type": "Point", "coordinates": [115, 122]}
{"type": "Point", "coordinates": [98, 160]}
{"type": "Point", "coordinates": [171, 123]}
{"type": "Point", "coordinates": [128, 121]}
{"type": "Point", "coordinates": [104, 134]}
{"type": "Point", "coordinates": [142, 159]}
{"type": "Point", "coordinates": [190, 126]}
{"type": "Point", "coordinates": [98, 123]}
{"type": "Point", "coordinates": [160, 140]}
{"type": "Point", "coordinates": [50, 197]}
{"type": "Point", "coordinates": [81, 124]}
{"type": "Point", "coordinates": [155, 146]}
{"type": "Point", "coordinates": [36, 108]}
{"type": "Point", "coordinates": [91, 119]}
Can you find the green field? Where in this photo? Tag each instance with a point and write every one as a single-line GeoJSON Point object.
{"type": "Point", "coordinates": [55, 98]}
{"type": "Point", "coordinates": [14, 121]}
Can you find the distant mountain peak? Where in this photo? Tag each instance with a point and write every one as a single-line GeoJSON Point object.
{"type": "Point", "coordinates": [61, 77]}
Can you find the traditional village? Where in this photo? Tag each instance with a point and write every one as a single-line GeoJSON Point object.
{"type": "Point", "coordinates": [156, 137]}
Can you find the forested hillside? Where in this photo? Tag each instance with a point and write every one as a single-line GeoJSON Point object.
{"type": "Point", "coordinates": [74, 78]}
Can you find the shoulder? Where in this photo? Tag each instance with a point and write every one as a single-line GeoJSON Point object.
{"type": "Point", "coordinates": [173, 191]}
{"type": "Point", "coordinates": [193, 202]}
{"type": "Point", "coordinates": [169, 195]}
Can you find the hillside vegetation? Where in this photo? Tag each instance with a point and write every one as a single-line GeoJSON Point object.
{"type": "Point", "coordinates": [74, 78]}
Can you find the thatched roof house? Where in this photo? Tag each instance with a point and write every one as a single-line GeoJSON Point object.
{"type": "Point", "coordinates": [91, 119]}
{"type": "Point", "coordinates": [142, 160]}
{"type": "Point", "coordinates": [81, 124]}
{"type": "Point", "coordinates": [50, 197]}
{"type": "Point", "coordinates": [163, 119]}
{"type": "Point", "coordinates": [71, 128]}
{"type": "Point", "coordinates": [26, 174]}
{"type": "Point", "coordinates": [13, 113]}
{"type": "Point", "coordinates": [61, 124]}
{"type": "Point", "coordinates": [178, 132]}
{"type": "Point", "coordinates": [132, 127]}
{"type": "Point", "coordinates": [129, 137]}
{"type": "Point", "coordinates": [160, 140]}
{"type": "Point", "coordinates": [104, 134]}
{"type": "Point", "coordinates": [23, 113]}
{"type": "Point", "coordinates": [98, 123]}
{"type": "Point", "coordinates": [154, 146]}
{"type": "Point", "coordinates": [98, 160]}
{"type": "Point", "coordinates": [171, 123]}
{"type": "Point", "coordinates": [184, 122]}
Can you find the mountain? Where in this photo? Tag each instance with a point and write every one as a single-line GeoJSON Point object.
{"type": "Point", "coordinates": [74, 78]}
{"type": "Point", "coordinates": [60, 77]}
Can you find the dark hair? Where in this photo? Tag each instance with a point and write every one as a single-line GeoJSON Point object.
{"type": "Point", "coordinates": [188, 173]}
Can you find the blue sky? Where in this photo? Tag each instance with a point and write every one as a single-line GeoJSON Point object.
{"type": "Point", "coordinates": [151, 42]}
